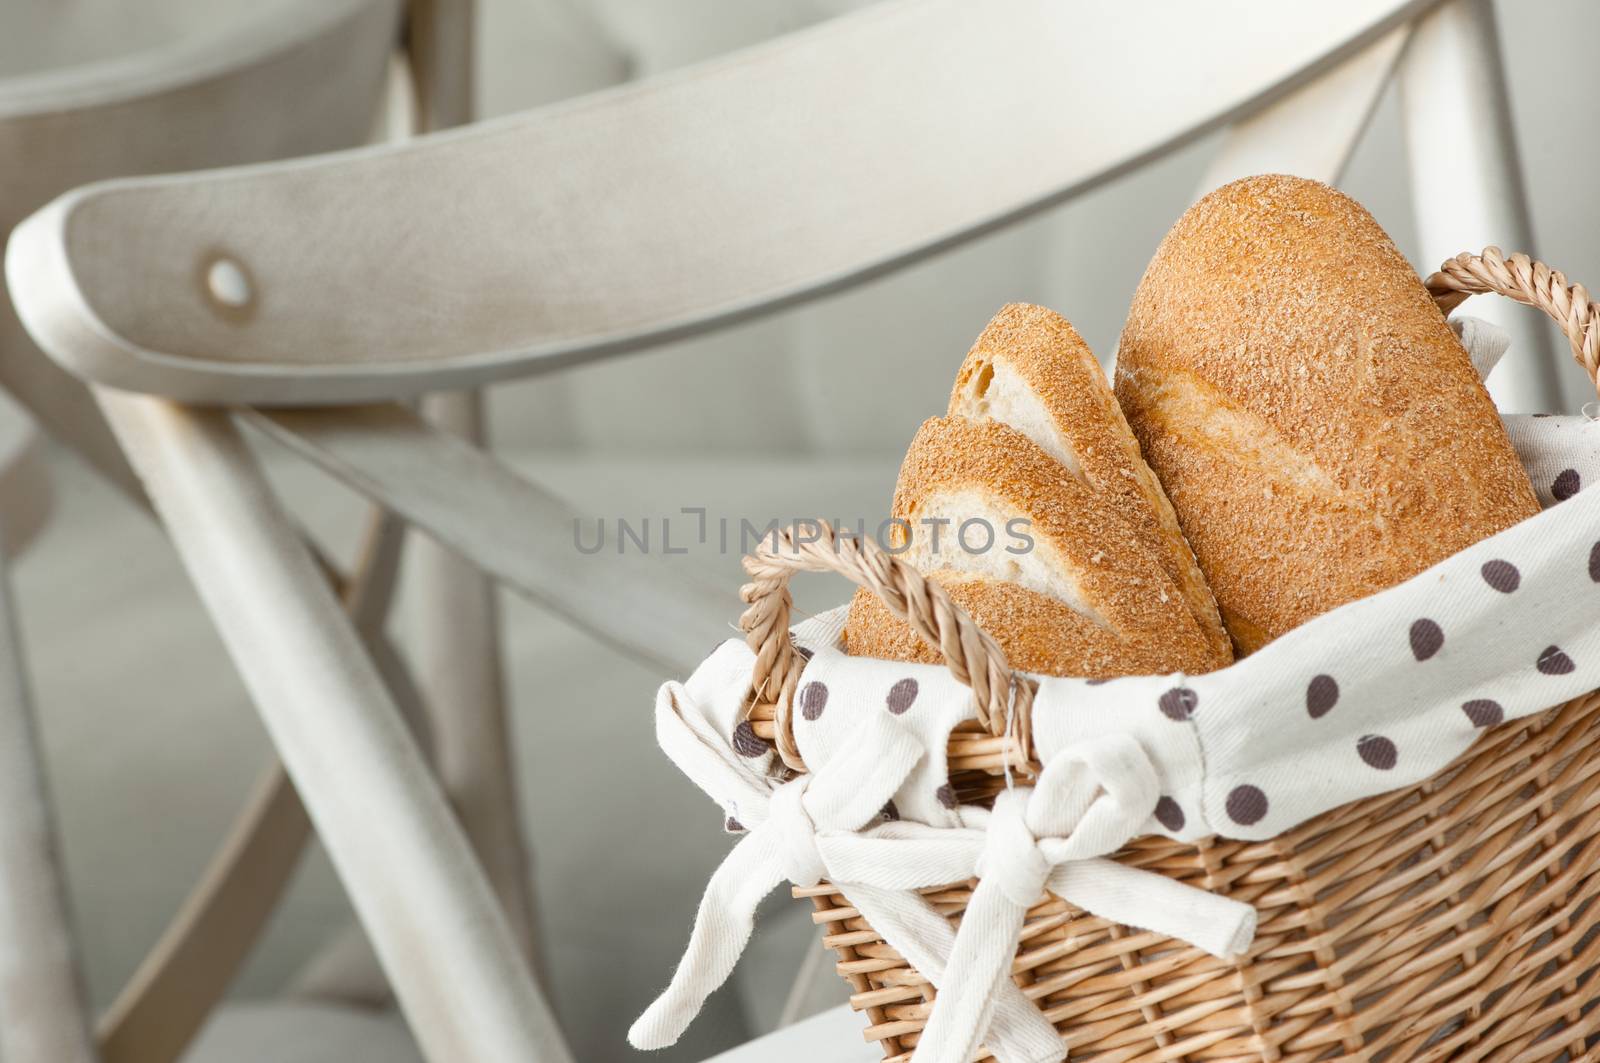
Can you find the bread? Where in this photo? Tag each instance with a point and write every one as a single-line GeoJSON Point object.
{"type": "Point", "coordinates": [1319, 429]}
{"type": "Point", "coordinates": [1030, 369]}
{"type": "Point", "coordinates": [1039, 634]}
{"type": "Point", "coordinates": [1108, 587]}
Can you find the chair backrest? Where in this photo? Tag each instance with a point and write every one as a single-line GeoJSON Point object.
{"type": "Point", "coordinates": [94, 89]}
{"type": "Point", "coordinates": [97, 88]}
{"type": "Point", "coordinates": [102, 98]}
{"type": "Point", "coordinates": [643, 213]}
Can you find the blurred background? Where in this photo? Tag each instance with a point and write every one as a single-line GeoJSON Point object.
{"type": "Point", "coordinates": [804, 412]}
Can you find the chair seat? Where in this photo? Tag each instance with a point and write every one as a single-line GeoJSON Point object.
{"type": "Point", "coordinates": [302, 1032]}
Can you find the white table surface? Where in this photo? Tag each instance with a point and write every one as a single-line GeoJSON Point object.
{"type": "Point", "coordinates": [833, 1035]}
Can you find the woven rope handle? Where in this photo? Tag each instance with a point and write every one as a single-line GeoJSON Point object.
{"type": "Point", "coordinates": [1531, 283]}
{"type": "Point", "coordinates": [1003, 699]}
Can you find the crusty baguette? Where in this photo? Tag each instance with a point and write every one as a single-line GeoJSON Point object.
{"type": "Point", "coordinates": [1090, 598]}
{"type": "Point", "coordinates": [1319, 429]}
{"type": "Point", "coordinates": [1038, 633]}
{"type": "Point", "coordinates": [1030, 369]}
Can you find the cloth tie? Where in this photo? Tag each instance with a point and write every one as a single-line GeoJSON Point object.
{"type": "Point", "coordinates": [1089, 801]}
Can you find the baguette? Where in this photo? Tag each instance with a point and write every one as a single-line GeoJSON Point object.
{"type": "Point", "coordinates": [1030, 370]}
{"type": "Point", "coordinates": [1320, 431]}
{"type": "Point", "coordinates": [1091, 598]}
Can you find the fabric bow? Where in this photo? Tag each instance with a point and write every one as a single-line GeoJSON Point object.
{"type": "Point", "coordinates": [783, 824]}
{"type": "Point", "coordinates": [1090, 800]}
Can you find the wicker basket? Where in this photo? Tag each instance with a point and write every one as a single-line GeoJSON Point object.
{"type": "Point", "coordinates": [1453, 920]}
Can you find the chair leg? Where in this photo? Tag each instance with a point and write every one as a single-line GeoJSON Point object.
{"type": "Point", "coordinates": [410, 873]}
{"type": "Point", "coordinates": [1467, 187]}
{"type": "Point", "coordinates": [172, 992]}
{"type": "Point", "coordinates": [458, 666]}
{"type": "Point", "coordinates": [166, 1001]}
{"type": "Point", "coordinates": [43, 1016]}
{"type": "Point", "coordinates": [62, 405]}
{"type": "Point", "coordinates": [1313, 130]}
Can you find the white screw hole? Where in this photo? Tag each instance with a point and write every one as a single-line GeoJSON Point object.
{"type": "Point", "coordinates": [228, 284]}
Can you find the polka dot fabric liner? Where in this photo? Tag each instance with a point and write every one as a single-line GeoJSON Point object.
{"type": "Point", "coordinates": [1371, 697]}
{"type": "Point", "coordinates": [1374, 696]}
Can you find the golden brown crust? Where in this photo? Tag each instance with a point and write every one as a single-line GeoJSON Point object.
{"type": "Point", "coordinates": [1137, 618]}
{"type": "Point", "coordinates": [1038, 633]}
{"type": "Point", "coordinates": [1319, 429]}
{"type": "Point", "coordinates": [1052, 359]}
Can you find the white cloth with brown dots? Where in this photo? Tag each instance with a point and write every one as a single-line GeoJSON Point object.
{"type": "Point", "coordinates": [1374, 696]}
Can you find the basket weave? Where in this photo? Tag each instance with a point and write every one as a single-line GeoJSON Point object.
{"type": "Point", "coordinates": [1453, 920]}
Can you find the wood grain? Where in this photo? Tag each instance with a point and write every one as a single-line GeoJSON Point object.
{"type": "Point", "coordinates": [650, 211]}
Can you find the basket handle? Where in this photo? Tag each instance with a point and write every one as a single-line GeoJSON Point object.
{"type": "Point", "coordinates": [1531, 283]}
{"type": "Point", "coordinates": [1004, 699]}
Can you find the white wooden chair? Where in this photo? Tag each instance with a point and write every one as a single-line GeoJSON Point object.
{"type": "Point", "coordinates": [38, 965]}
{"type": "Point", "coordinates": [607, 224]}
{"type": "Point", "coordinates": [92, 90]}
